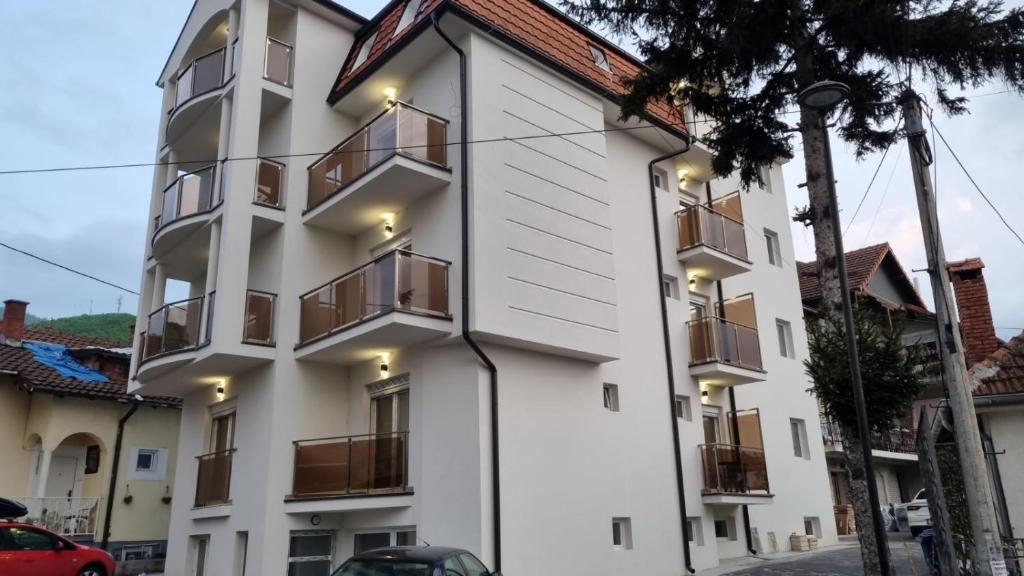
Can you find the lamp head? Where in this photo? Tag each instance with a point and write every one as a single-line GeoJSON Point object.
{"type": "Point", "coordinates": [823, 95]}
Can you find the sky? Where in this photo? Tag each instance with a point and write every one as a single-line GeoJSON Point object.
{"type": "Point", "coordinates": [79, 89]}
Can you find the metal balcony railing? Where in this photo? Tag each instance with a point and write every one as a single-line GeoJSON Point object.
{"type": "Point", "coordinates": [269, 183]}
{"type": "Point", "coordinates": [713, 339]}
{"type": "Point", "coordinates": [259, 317]}
{"type": "Point", "coordinates": [349, 465]}
{"type": "Point", "coordinates": [732, 469]}
{"type": "Point", "coordinates": [700, 225]}
{"type": "Point", "coordinates": [71, 517]}
{"type": "Point", "coordinates": [202, 75]}
{"type": "Point", "coordinates": [398, 280]}
{"type": "Point", "coordinates": [213, 484]}
{"type": "Point", "coordinates": [173, 327]}
{"type": "Point", "coordinates": [895, 440]}
{"type": "Point", "coordinates": [277, 62]}
{"type": "Point", "coordinates": [189, 194]}
{"type": "Point", "coordinates": [401, 129]}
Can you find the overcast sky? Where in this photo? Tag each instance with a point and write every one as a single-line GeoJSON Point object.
{"type": "Point", "coordinates": [79, 90]}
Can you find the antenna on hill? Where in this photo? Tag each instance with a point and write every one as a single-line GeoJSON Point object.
{"type": "Point", "coordinates": [119, 303]}
{"type": "Point", "coordinates": [90, 306]}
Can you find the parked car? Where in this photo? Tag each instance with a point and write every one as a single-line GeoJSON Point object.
{"type": "Point", "coordinates": [916, 513]}
{"type": "Point", "coordinates": [28, 550]}
{"type": "Point", "coordinates": [414, 561]}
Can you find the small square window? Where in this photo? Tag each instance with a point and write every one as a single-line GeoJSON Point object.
{"type": "Point", "coordinates": [812, 526]}
{"type": "Point", "coordinates": [661, 179]}
{"type": "Point", "coordinates": [725, 528]}
{"type": "Point", "coordinates": [622, 534]}
{"type": "Point", "coordinates": [683, 409]}
{"type": "Point", "coordinates": [771, 240]}
{"type": "Point", "coordinates": [600, 58]}
{"type": "Point", "coordinates": [694, 531]}
{"type": "Point", "coordinates": [798, 430]}
{"type": "Point", "coordinates": [146, 460]}
{"type": "Point", "coordinates": [611, 397]}
{"type": "Point", "coordinates": [784, 331]}
{"type": "Point", "coordinates": [671, 285]}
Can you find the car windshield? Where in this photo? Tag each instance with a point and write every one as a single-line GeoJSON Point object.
{"type": "Point", "coordinates": [383, 568]}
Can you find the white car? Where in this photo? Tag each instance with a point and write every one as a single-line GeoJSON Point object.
{"type": "Point", "coordinates": [916, 513]}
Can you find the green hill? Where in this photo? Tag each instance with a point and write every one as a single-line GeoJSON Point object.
{"type": "Point", "coordinates": [112, 326]}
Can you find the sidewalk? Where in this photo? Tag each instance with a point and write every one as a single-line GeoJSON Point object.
{"type": "Point", "coordinates": [747, 562]}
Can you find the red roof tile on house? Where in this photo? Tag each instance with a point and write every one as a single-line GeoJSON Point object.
{"type": "Point", "coordinates": [1003, 371]}
{"type": "Point", "coordinates": [41, 334]}
{"type": "Point", "coordinates": [860, 266]}
{"type": "Point", "coordinates": [533, 23]}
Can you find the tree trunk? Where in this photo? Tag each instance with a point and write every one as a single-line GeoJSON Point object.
{"type": "Point", "coordinates": [862, 512]}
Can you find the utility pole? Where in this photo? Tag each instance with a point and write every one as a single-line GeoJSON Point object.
{"type": "Point", "coordinates": [985, 555]}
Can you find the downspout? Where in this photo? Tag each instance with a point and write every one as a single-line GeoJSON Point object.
{"type": "Point", "coordinates": [113, 474]}
{"type": "Point", "coordinates": [680, 488]}
{"type": "Point", "coordinates": [996, 478]}
{"type": "Point", "coordinates": [464, 183]}
{"type": "Point", "coordinates": [732, 396]}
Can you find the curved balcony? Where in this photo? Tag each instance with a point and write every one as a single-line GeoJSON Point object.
{"type": "Point", "coordinates": [171, 332]}
{"type": "Point", "coordinates": [711, 245]}
{"type": "Point", "coordinates": [185, 208]}
{"type": "Point", "coordinates": [198, 87]}
{"type": "Point", "coordinates": [724, 353]}
{"type": "Point", "coordinates": [734, 475]}
{"type": "Point", "coordinates": [397, 300]}
{"type": "Point", "coordinates": [388, 164]}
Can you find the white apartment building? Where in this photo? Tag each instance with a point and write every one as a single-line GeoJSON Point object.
{"type": "Point", "coordinates": [429, 303]}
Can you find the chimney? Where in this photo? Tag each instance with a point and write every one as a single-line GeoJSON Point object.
{"type": "Point", "coordinates": [976, 327]}
{"type": "Point", "coordinates": [12, 328]}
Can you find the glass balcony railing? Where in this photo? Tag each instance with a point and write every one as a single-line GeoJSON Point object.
{"type": "Point", "coordinates": [401, 129]}
{"type": "Point", "coordinates": [351, 465]}
{"type": "Point", "coordinates": [269, 182]}
{"type": "Point", "coordinates": [398, 280]}
{"type": "Point", "coordinates": [202, 75]}
{"type": "Point", "coordinates": [732, 469]}
{"type": "Point", "coordinates": [213, 484]}
{"type": "Point", "coordinates": [699, 225]}
{"type": "Point", "coordinates": [173, 327]}
{"type": "Point", "coordinates": [259, 317]}
{"type": "Point", "coordinates": [715, 340]}
{"type": "Point", "coordinates": [189, 194]}
{"type": "Point", "coordinates": [277, 62]}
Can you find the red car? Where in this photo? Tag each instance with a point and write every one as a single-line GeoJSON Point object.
{"type": "Point", "coordinates": [27, 550]}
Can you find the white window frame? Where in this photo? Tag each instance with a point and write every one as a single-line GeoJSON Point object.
{"type": "Point", "coordinates": [695, 530]}
{"type": "Point", "coordinates": [412, 9]}
{"type": "Point", "coordinates": [392, 533]}
{"type": "Point", "coordinates": [158, 470]}
{"type": "Point", "coordinates": [730, 528]}
{"type": "Point", "coordinates": [671, 284]}
{"type": "Point", "coordinates": [610, 396]}
{"type": "Point", "coordinates": [622, 527]}
{"type": "Point", "coordinates": [661, 179]}
{"type": "Point", "coordinates": [772, 246]}
{"type": "Point", "coordinates": [199, 553]}
{"type": "Point", "coordinates": [310, 534]}
{"type": "Point", "coordinates": [684, 407]}
{"type": "Point", "coordinates": [815, 525]}
{"type": "Point", "coordinates": [600, 58]}
{"type": "Point", "coordinates": [784, 333]}
{"type": "Point", "coordinates": [154, 459]}
{"type": "Point", "coordinates": [798, 433]}
{"type": "Point", "coordinates": [148, 551]}
{"type": "Point", "coordinates": [364, 50]}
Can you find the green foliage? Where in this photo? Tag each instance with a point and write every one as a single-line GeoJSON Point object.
{"type": "Point", "coordinates": [889, 370]}
{"type": "Point", "coordinates": [742, 62]}
{"type": "Point", "coordinates": [111, 326]}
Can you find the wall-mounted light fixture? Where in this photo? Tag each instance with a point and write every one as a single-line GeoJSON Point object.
{"type": "Point", "coordinates": [391, 93]}
{"type": "Point", "coordinates": [693, 281]}
{"type": "Point", "coordinates": [384, 368]}
{"type": "Point", "coordinates": [389, 224]}
{"type": "Point", "coordinates": [704, 393]}
{"type": "Point", "coordinates": [220, 391]}
{"type": "Point", "coordinates": [681, 174]}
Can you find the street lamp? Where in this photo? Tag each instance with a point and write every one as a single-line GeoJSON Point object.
{"type": "Point", "coordinates": [822, 97]}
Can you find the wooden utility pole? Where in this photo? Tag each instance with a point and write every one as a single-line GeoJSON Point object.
{"type": "Point", "coordinates": [985, 555]}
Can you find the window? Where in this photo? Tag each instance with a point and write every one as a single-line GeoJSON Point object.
{"type": "Point", "coordinates": [785, 334]}
{"type": "Point", "coordinates": [473, 566]}
{"type": "Point", "coordinates": [771, 240]}
{"type": "Point", "coordinates": [137, 552]}
{"type": "Point", "coordinates": [92, 459]}
{"type": "Point", "coordinates": [661, 179]}
{"type": "Point", "coordinates": [622, 534]}
{"type": "Point", "coordinates": [765, 171]}
{"type": "Point", "coordinates": [198, 546]}
{"type": "Point", "coordinates": [241, 552]}
{"type": "Point", "coordinates": [686, 199]}
{"type": "Point", "coordinates": [798, 429]}
{"type": "Point", "coordinates": [452, 567]}
{"type": "Point", "coordinates": [683, 409]}
{"type": "Point", "coordinates": [671, 285]}
{"type": "Point", "coordinates": [611, 397]}
{"type": "Point", "coordinates": [812, 526]}
{"type": "Point", "coordinates": [383, 538]}
{"type": "Point", "coordinates": [222, 433]}
{"type": "Point", "coordinates": [694, 531]}
{"type": "Point", "coordinates": [15, 538]}
{"type": "Point", "coordinates": [310, 552]}
{"type": "Point", "coordinates": [725, 529]}
{"type": "Point", "coordinates": [412, 8]}
{"type": "Point", "coordinates": [364, 50]}
{"type": "Point", "coordinates": [712, 419]}
{"type": "Point", "coordinates": [600, 58]}
{"type": "Point", "coordinates": [145, 460]}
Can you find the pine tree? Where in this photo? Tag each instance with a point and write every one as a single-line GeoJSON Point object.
{"type": "Point", "coordinates": [740, 63]}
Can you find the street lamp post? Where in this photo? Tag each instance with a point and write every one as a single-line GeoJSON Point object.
{"type": "Point", "coordinates": [822, 97]}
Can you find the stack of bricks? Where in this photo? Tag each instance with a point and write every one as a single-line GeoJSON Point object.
{"type": "Point", "coordinates": [976, 326]}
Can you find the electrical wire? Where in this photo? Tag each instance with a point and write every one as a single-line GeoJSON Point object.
{"type": "Point", "coordinates": [67, 268]}
{"type": "Point", "coordinates": [885, 192]}
{"type": "Point", "coordinates": [867, 190]}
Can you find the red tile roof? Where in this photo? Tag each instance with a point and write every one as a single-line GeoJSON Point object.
{"type": "Point", "coordinates": [533, 24]}
{"type": "Point", "coordinates": [37, 377]}
{"type": "Point", "coordinates": [861, 265]}
{"type": "Point", "coordinates": [965, 265]}
{"type": "Point", "coordinates": [1006, 369]}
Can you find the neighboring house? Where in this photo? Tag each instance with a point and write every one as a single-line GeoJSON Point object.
{"type": "Point", "coordinates": [62, 397]}
{"type": "Point", "coordinates": [997, 379]}
{"type": "Point", "coordinates": [646, 411]}
{"type": "Point", "coordinates": [879, 282]}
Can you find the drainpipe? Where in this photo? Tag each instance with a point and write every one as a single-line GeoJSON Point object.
{"type": "Point", "coordinates": [113, 471]}
{"type": "Point", "coordinates": [732, 397]}
{"type": "Point", "coordinates": [996, 478]}
{"type": "Point", "coordinates": [680, 488]}
{"type": "Point", "coordinates": [491, 368]}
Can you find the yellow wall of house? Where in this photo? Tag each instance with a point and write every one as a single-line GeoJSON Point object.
{"type": "Point", "coordinates": [17, 458]}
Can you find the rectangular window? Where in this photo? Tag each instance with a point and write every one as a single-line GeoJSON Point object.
{"type": "Point", "coordinates": [364, 50]}
{"type": "Point", "coordinates": [683, 409]}
{"type": "Point", "coordinates": [661, 179]}
{"type": "Point", "coordinates": [310, 552]}
{"type": "Point", "coordinates": [600, 58]}
{"type": "Point", "coordinates": [671, 285]}
{"type": "Point", "coordinates": [725, 529]}
{"type": "Point", "coordinates": [198, 546]}
{"type": "Point", "coordinates": [694, 531]}
{"type": "Point", "coordinates": [622, 534]}
{"type": "Point", "coordinates": [146, 460]}
{"type": "Point", "coordinates": [765, 171]}
{"type": "Point", "coordinates": [412, 8]}
{"type": "Point", "coordinates": [771, 240]}
{"type": "Point", "coordinates": [798, 430]}
{"type": "Point", "coordinates": [241, 552]}
{"type": "Point", "coordinates": [383, 538]}
{"type": "Point", "coordinates": [784, 331]}
{"type": "Point", "coordinates": [611, 397]}
{"type": "Point", "coordinates": [812, 526]}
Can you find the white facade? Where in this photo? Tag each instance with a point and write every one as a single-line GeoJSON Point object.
{"type": "Point", "coordinates": [564, 299]}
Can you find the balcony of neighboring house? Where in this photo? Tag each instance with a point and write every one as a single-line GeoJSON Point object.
{"type": "Point", "coordinates": [399, 299]}
{"type": "Point", "coordinates": [186, 206]}
{"type": "Point", "coordinates": [897, 444]}
{"type": "Point", "coordinates": [398, 157]}
{"type": "Point", "coordinates": [712, 241]}
{"type": "Point", "coordinates": [725, 349]}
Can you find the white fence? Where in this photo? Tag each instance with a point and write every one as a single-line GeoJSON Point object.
{"type": "Point", "coordinates": [65, 516]}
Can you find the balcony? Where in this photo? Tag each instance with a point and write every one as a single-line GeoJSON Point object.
{"type": "Point", "coordinates": [277, 62]}
{"type": "Point", "coordinates": [189, 196]}
{"type": "Point", "coordinates": [259, 318]}
{"type": "Point", "coordinates": [724, 353]}
{"type": "Point", "coordinates": [369, 464]}
{"type": "Point", "coordinates": [172, 328]}
{"type": "Point", "coordinates": [69, 517]}
{"type": "Point", "coordinates": [712, 245]}
{"type": "Point", "coordinates": [895, 445]}
{"type": "Point", "coordinates": [399, 299]}
{"type": "Point", "coordinates": [269, 183]}
{"type": "Point", "coordinates": [398, 157]}
{"type": "Point", "coordinates": [198, 87]}
{"type": "Point", "coordinates": [734, 475]}
{"type": "Point", "coordinates": [213, 483]}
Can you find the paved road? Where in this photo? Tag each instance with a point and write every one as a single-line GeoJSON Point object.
{"type": "Point", "coordinates": [844, 561]}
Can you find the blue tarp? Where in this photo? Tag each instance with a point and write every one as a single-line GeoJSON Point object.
{"type": "Point", "coordinates": [57, 358]}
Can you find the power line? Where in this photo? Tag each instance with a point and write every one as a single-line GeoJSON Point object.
{"type": "Point", "coordinates": [885, 193]}
{"type": "Point", "coordinates": [867, 190]}
{"type": "Point", "coordinates": [976, 186]}
{"type": "Point", "coordinates": [69, 269]}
